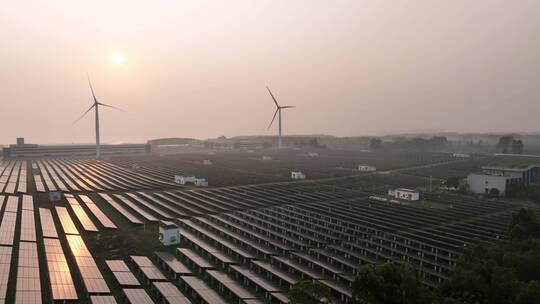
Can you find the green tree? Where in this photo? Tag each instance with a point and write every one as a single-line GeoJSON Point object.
{"type": "Point", "coordinates": [389, 283]}
{"type": "Point", "coordinates": [523, 225]}
{"type": "Point", "coordinates": [453, 181]}
{"type": "Point", "coordinates": [309, 292]}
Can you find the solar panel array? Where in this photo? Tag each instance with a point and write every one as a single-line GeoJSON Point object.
{"type": "Point", "coordinates": [102, 218]}
{"type": "Point", "coordinates": [13, 176]}
{"type": "Point", "coordinates": [81, 215]}
{"type": "Point", "coordinates": [123, 211]}
{"type": "Point", "coordinates": [74, 175]}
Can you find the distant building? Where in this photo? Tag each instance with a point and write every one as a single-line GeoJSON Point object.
{"type": "Point", "coordinates": [207, 162]}
{"type": "Point", "coordinates": [266, 157]}
{"type": "Point", "coordinates": [367, 168]}
{"type": "Point", "coordinates": [498, 179]}
{"type": "Point", "coordinates": [183, 180]}
{"type": "Point", "coordinates": [187, 180]}
{"type": "Point", "coordinates": [404, 194]}
{"type": "Point", "coordinates": [22, 149]}
{"type": "Point", "coordinates": [297, 175]}
{"type": "Point", "coordinates": [201, 182]}
{"type": "Point", "coordinates": [461, 155]}
{"type": "Point", "coordinates": [169, 233]}
{"type": "Point", "coordinates": [313, 154]}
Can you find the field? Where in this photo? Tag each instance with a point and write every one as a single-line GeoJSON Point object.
{"type": "Point", "coordinates": [247, 238]}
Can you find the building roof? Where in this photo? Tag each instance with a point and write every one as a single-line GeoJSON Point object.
{"type": "Point", "coordinates": [517, 167]}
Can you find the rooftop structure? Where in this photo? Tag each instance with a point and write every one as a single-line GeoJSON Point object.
{"type": "Point", "coordinates": [23, 150]}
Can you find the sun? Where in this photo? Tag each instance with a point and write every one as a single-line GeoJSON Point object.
{"type": "Point", "coordinates": [118, 58]}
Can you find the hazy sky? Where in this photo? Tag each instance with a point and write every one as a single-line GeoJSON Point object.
{"type": "Point", "coordinates": [199, 68]}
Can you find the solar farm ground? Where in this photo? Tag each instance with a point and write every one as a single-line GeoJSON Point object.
{"type": "Point", "coordinates": [246, 239]}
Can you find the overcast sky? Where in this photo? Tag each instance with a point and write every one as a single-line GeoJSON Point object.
{"type": "Point", "coordinates": [199, 68]}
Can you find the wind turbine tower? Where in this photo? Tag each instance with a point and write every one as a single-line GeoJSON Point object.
{"type": "Point", "coordinates": [278, 111]}
{"type": "Point", "coordinates": [95, 106]}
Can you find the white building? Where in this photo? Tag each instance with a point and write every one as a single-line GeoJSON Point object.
{"type": "Point", "coordinates": [461, 155]}
{"type": "Point", "coordinates": [183, 180]}
{"type": "Point", "coordinates": [297, 175]}
{"type": "Point", "coordinates": [367, 168]}
{"type": "Point", "coordinates": [482, 183]}
{"type": "Point", "coordinates": [266, 157]}
{"type": "Point", "coordinates": [169, 233]}
{"type": "Point", "coordinates": [497, 179]}
{"type": "Point", "coordinates": [404, 194]}
{"type": "Point", "coordinates": [201, 182]}
{"type": "Point", "coordinates": [313, 154]}
{"type": "Point", "coordinates": [207, 162]}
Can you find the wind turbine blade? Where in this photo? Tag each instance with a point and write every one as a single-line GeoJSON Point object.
{"type": "Point", "coordinates": [275, 101]}
{"type": "Point", "coordinates": [106, 105]}
{"type": "Point", "coordinates": [287, 107]}
{"type": "Point", "coordinates": [91, 88]}
{"type": "Point", "coordinates": [84, 113]}
{"type": "Point", "coordinates": [273, 118]}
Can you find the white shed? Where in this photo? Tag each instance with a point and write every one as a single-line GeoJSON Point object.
{"type": "Point", "coordinates": [266, 157]}
{"type": "Point", "coordinates": [182, 180]}
{"type": "Point", "coordinates": [367, 168]}
{"type": "Point", "coordinates": [201, 182]}
{"type": "Point", "coordinates": [169, 233]}
{"type": "Point", "coordinates": [404, 194]}
{"type": "Point", "coordinates": [297, 175]}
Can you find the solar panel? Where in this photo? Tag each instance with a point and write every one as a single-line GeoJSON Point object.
{"type": "Point", "coordinates": [102, 218]}
{"type": "Point", "coordinates": [59, 275]}
{"type": "Point", "coordinates": [28, 202]}
{"type": "Point", "coordinates": [12, 204]}
{"type": "Point", "coordinates": [92, 278]}
{"type": "Point", "coordinates": [121, 272]}
{"type": "Point", "coordinates": [28, 284]}
{"type": "Point", "coordinates": [5, 265]}
{"type": "Point", "coordinates": [174, 265]}
{"type": "Point", "coordinates": [146, 266]}
{"type": "Point", "coordinates": [137, 296]}
{"type": "Point", "coordinates": [171, 294]}
{"type": "Point", "coordinates": [203, 290]}
{"type": "Point", "coordinates": [137, 209]}
{"type": "Point", "coordinates": [7, 228]}
{"type": "Point", "coordinates": [102, 300]}
{"type": "Point", "coordinates": [28, 226]}
{"type": "Point", "coordinates": [66, 221]}
{"type": "Point", "coordinates": [81, 215]}
{"type": "Point", "coordinates": [47, 223]}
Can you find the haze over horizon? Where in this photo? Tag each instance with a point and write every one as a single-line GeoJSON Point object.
{"type": "Point", "coordinates": [199, 69]}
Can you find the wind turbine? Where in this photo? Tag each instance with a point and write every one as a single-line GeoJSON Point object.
{"type": "Point", "coordinates": [278, 111]}
{"type": "Point", "coordinates": [95, 105]}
